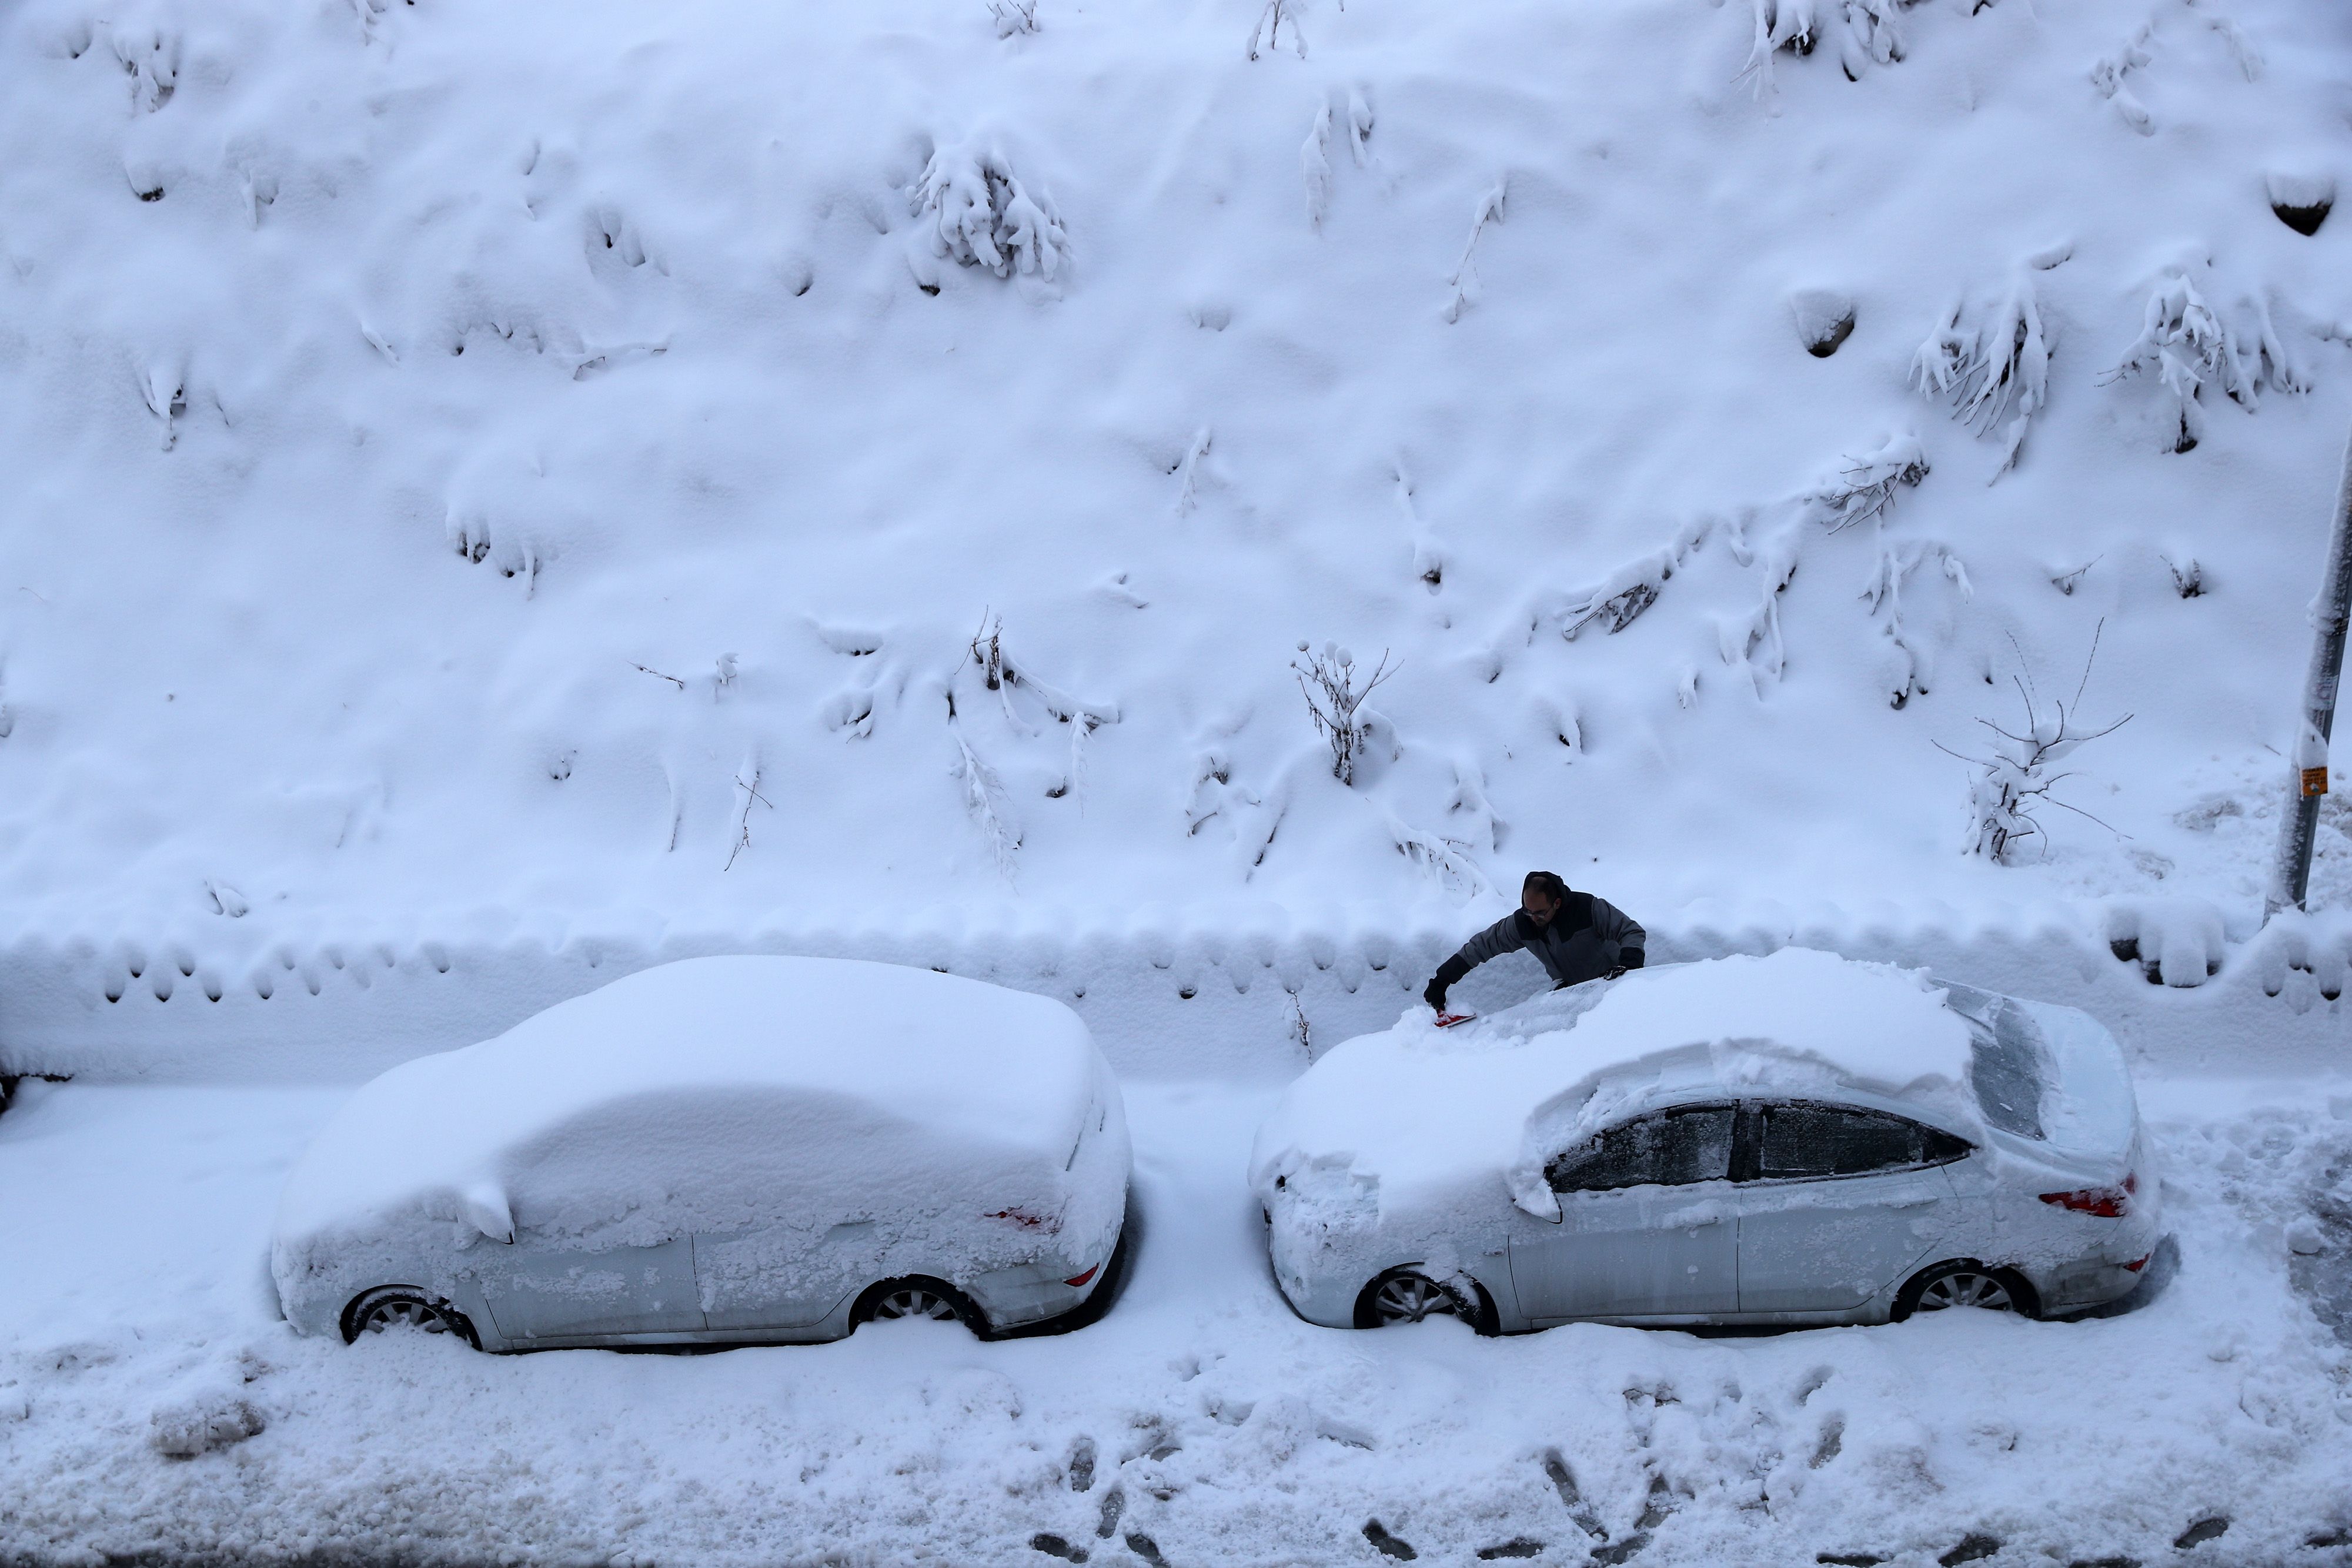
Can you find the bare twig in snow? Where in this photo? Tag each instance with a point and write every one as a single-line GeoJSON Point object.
{"type": "Point", "coordinates": [743, 822]}
{"type": "Point", "coordinates": [2015, 778]}
{"type": "Point", "coordinates": [1428, 558]}
{"type": "Point", "coordinates": [1188, 469]}
{"type": "Point", "coordinates": [648, 670]}
{"type": "Point", "coordinates": [1327, 680]}
{"type": "Point", "coordinates": [1315, 159]}
{"type": "Point", "coordinates": [1464, 279]}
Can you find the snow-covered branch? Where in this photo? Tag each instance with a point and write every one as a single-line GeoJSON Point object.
{"type": "Point", "coordinates": [1884, 593]}
{"type": "Point", "coordinates": [1464, 279]}
{"type": "Point", "coordinates": [1864, 488]}
{"type": "Point", "coordinates": [1618, 599]}
{"type": "Point", "coordinates": [983, 801]}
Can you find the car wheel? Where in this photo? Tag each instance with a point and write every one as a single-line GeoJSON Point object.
{"type": "Point", "coordinates": [1963, 1284]}
{"type": "Point", "coordinates": [394, 1306]}
{"type": "Point", "coordinates": [900, 1299]}
{"type": "Point", "coordinates": [1408, 1296]}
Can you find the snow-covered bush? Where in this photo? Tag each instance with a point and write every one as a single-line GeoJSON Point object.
{"type": "Point", "coordinates": [2184, 344]}
{"type": "Point", "coordinates": [1864, 488]}
{"type": "Point", "coordinates": [1864, 30]}
{"type": "Point", "coordinates": [1990, 357]}
{"type": "Point", "coordinates": [151, 60]}
{"type": "Point", "coordinates": [1013, 16]}
{"type": "Point", "coordinates": [1046, 705]}
{"type": "Point", "coordinates": [2015, 779]}
{"type": "Point", "coordinates": [1872, 36]}
{"type": "Point", "coordinates": [1268, 26]}
{"type": "Point", "coordinates": [981, 214]}
{"type": "Point", "coordinates": [1333, 701]}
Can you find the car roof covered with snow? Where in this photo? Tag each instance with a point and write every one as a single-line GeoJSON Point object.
{"type": "Point", "coordinates": [715, 1076]}
{"type": "Point", "coordinates": [1417, 1107]}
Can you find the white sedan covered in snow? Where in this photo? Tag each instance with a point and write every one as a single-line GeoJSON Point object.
{"type": "Point", "coordinates": [720, 1150]}
{"type": "Point", "coordinates": [1792, 1139]}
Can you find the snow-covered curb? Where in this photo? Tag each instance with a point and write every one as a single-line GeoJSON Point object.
{"type": "Point", "coordinates": [1168, 998]}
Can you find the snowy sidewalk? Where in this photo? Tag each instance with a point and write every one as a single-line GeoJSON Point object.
{"type": "Point", "coordinates": [1198, 1424]}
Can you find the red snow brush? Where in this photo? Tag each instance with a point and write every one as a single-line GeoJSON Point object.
{"type": "Point", "coordinates": [1447, 1020]}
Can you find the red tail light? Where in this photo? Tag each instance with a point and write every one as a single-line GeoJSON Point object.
{"type": "Point", "coordinates": [1084, 1277]}
{"type": "Point", "coordinates": [2106, 1202]}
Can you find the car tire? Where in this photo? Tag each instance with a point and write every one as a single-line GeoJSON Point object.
{"type": "Point", "coordinates": [390, 1306]}
{"type": "Point", "coordinates": [915, 1297]}
{"type": "Point", "coordinates": [1963, 1283]}
{"type": "Point", "coordinates": [1409, 1296]}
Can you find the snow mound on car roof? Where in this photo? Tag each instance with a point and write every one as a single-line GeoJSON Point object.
{"type": "Point", "coordinates": [1419, 1109]}
{"type": "Point", "coordinates": [716, 1078]}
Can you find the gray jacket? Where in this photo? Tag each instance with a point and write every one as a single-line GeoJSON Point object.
{"type": "Point", "coordinates": [1589, 937]}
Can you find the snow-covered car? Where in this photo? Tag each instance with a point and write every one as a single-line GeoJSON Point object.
{"type": "Point", "coordinates": [720, 1150]}
{"type": "Point", "coordinates": [1792, 1139]}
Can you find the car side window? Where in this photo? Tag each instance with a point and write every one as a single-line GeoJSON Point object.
{"type": "Point", "coordinates": [1799, 1139]}
{"type": "Point", "coordinates": [1666, 1148]}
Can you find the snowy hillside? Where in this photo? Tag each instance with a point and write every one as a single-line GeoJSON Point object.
{"type": "Point", "coordinates": [481, 469]}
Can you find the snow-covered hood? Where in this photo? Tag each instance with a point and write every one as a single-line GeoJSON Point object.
{"type": "Point", "coordinates": [1418, 1113]}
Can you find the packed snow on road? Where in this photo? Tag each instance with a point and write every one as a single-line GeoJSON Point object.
{"type": "Point", "coordinates": [1150, 521]}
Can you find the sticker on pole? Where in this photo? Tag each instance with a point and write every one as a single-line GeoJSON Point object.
{"type": "Point", "coordinates": [2315, 782]}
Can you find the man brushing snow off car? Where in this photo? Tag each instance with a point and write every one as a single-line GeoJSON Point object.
{"type": "Point", "coordinates": [1577, 937]}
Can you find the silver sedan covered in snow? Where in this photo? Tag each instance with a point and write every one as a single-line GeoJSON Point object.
{"type": "Point", "coordinates": [1794, 1139]}
{"type": "Point", "coordinates": [716, 1151]}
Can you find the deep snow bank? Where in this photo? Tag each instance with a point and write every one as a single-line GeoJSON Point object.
{"type": "Point", "coordinates": [560, 458]}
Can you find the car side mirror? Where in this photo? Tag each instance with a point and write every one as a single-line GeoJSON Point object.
{"type": "Point", "coordinates": [486, 1211]}
{"type": "Point", "coordinates": [1534, 1195]}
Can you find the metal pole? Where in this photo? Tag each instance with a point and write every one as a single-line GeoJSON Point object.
{"type": "Point", "coordinates": [2307, 775]}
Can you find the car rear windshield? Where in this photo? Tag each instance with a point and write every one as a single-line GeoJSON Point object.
{"type": "Point", "coordinates": [2006, 1066]}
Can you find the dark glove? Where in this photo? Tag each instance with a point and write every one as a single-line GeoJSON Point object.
{"type": "Point", "coordinates": [1450, 971]}
{"type": "Point", "coordinates": [1630, 958]}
